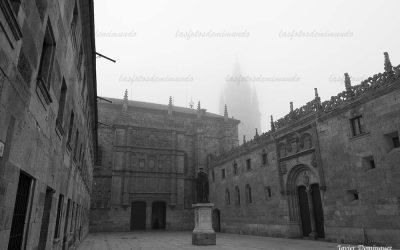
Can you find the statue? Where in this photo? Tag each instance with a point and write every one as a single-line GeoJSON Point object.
{"type": "Point", "coordinates": [202, 188]}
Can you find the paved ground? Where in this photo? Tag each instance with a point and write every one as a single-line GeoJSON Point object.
{"type": "Point", "coordinates": [182, 240]}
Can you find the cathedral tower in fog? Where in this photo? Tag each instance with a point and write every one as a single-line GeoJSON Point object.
{"type": "Point", "coordinates": [242, 103]}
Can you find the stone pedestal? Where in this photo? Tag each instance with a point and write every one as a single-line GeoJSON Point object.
{"type": "Point", "coordinates": [203, 233]}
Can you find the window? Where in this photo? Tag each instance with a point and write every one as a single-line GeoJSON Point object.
{"type": "Point", "coordinates": [61, 102]}
{"type": "Point", "coordinates": [58, 220]}
{"type": "Point", "coordinates": [392, 140]}
{"type": "Point", "coordinates": [16, 4]}
{"type": "Point", "coordinates": [227, 197]}
{"type": "Point", "coordinates": [213, 175]}
{"type": "Point", "coordinates": [47, 57]}
{"type": "Point", "coordinates": [268, 192]}
{"type": "Point", "coordinates": [72, 217]}
{"type": "Point", "coordinates": [76, 216]}
{"type": "Point", "coordinates": [80, 153]}
{"type": "Point", "coordinates": [151, 163]}
{"type": "Point", "coordinates": [352, 195]}
{"type": "Point", "coordinates": [237, 195]}
{"type": "Point", "coordinates": [223, 173]}
{"type": "Point", "coordinates": [264, 157]}
{"type": "Point", "coordinates": [79, 64]}
{"type": "Point", "coordinates": [248, 164]}
{"type": "Point", "coordinates": [249, 198]}
{"type": "Point", "coordinates": [76, 144]}
{"type": "Point", "coordinates": [67, 216]}
{"type": "Point", "coordinates": [84, 86]}
{"type": "Point", "coordinates": [235, 168]}
{"type": "Point", "coordinates": [83, 157]}
{"type": "Point", "coordinates": [396, 142]}
{"type": "Point", "coordinates": [99, 156]}
{"type": "Point", "coordinates": [71, 125]}
{"type": "Point", "coordinates": [368, 163]}
{"type": "Point", "coordinates": [74, 24]}
{"type": "Point", "coordinates": [357, 125]}
{"type": "Point", "coordinates": [372, 163]}
{"type": "Point", "coordinates": [160, 163]}
{"type": "Point", "coordinates": [141, 163]}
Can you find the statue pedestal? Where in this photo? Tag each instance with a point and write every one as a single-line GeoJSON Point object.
{"type": "Point", "coordinates": [203, 233]}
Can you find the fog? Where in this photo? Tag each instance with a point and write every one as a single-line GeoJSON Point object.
{"type": "Point", "coordinates": [188, 49]}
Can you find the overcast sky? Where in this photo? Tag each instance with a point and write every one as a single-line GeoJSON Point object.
{"type": "Point", "coordinates": [294, 46]}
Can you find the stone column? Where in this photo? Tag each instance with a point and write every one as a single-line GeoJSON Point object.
{"type": "Point", "coordinates": [148, 214]}
{"type": "Point", "coordinates": [313, 233]}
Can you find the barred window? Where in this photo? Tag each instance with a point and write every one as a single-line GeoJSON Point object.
{"type": "Point", "coordinates": [357, 125]}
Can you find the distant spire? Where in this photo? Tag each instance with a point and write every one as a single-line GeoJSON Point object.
{"type": "Point", "coordinates": [170, 101]}
{"type": "Point", "coordinates": [244, 139]}
{"type": "Point", "coordinates": [256, 133]}
{"type": "Point", "coordinates": [272, 123]}
{"type": "Point", "coordinates": [316, 93]}
{"type": "Point", "coordinates": [170, 106]}
{"type": "Point", "coordinates": [199, 112]}
{"type": "Point", "coordinates": [226, 112]}
{"type": "Point", "coordinates": [191, 103]}
{"type": "Point", "coordinates": [126, 95]}
{"type": "Point", "coordinates": [291, 106]}
{"type": "Point", "coordinates": [347, 81]}
{"type": "Point", "coordinates": [388, 64]}
{"type": "Point", "coordinates": [125, 102]}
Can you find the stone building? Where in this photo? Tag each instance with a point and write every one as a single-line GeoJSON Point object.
{"type": "Point", "coordinates": [149, 156]}
{"type": "Point", "coordinates": [326, 170]}
{"type": "Point", "coordinates": [48, 122]}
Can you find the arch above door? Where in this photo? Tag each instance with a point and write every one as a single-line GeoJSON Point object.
{"type": "Point", "coordinates": [299, 175]}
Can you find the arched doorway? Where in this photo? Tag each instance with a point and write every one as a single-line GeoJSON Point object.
{"type": "Point", "coordinates": [216, 220]}
{"type": "Point", "coordinates": [158, 214]}
{"type": "Point", "coordinates": [304, 199]}
{"type": "Point", "coordinates": [304, 211]}
{"type": "Point", "coordinates": [138, 215]}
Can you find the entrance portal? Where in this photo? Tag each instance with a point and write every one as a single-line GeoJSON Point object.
{"type": "Point", "coordinates": [20, 211]}
{"type": "Point", "coordinates": [138, 215]}
{"type": "Point", "coordinates": [158, 212]}
{"type": "Point", "coordinates": [304, 210]}
{"type": "Point", "coordinates": [317, 211]}
{"type": "Point", "coordinates": [304, 200]}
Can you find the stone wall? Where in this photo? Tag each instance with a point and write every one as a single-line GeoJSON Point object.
{"type": "Point", "coordinates": [34, 132]}
{"type": "Point", "coordinates": [320, 147]}
{"type": "Point", "coordinates": [375, 216]}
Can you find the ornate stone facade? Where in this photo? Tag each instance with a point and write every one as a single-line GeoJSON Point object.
{"type": "Point", "coordinates": [326, 170]}
{"type": "Point", "coordinates": [150, 157]}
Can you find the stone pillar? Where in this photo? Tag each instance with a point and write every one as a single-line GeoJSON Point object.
{"type": "Point", "coordinates": [203, 233]}
{"type": "Point", "coordinates": [180, 181]}
{"type": "Point", "coordinates": [148, 214]}
{"type": "Point", "coordinates": [173, 182]}
{"type": "Point", "coordinates": [313, 233]}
